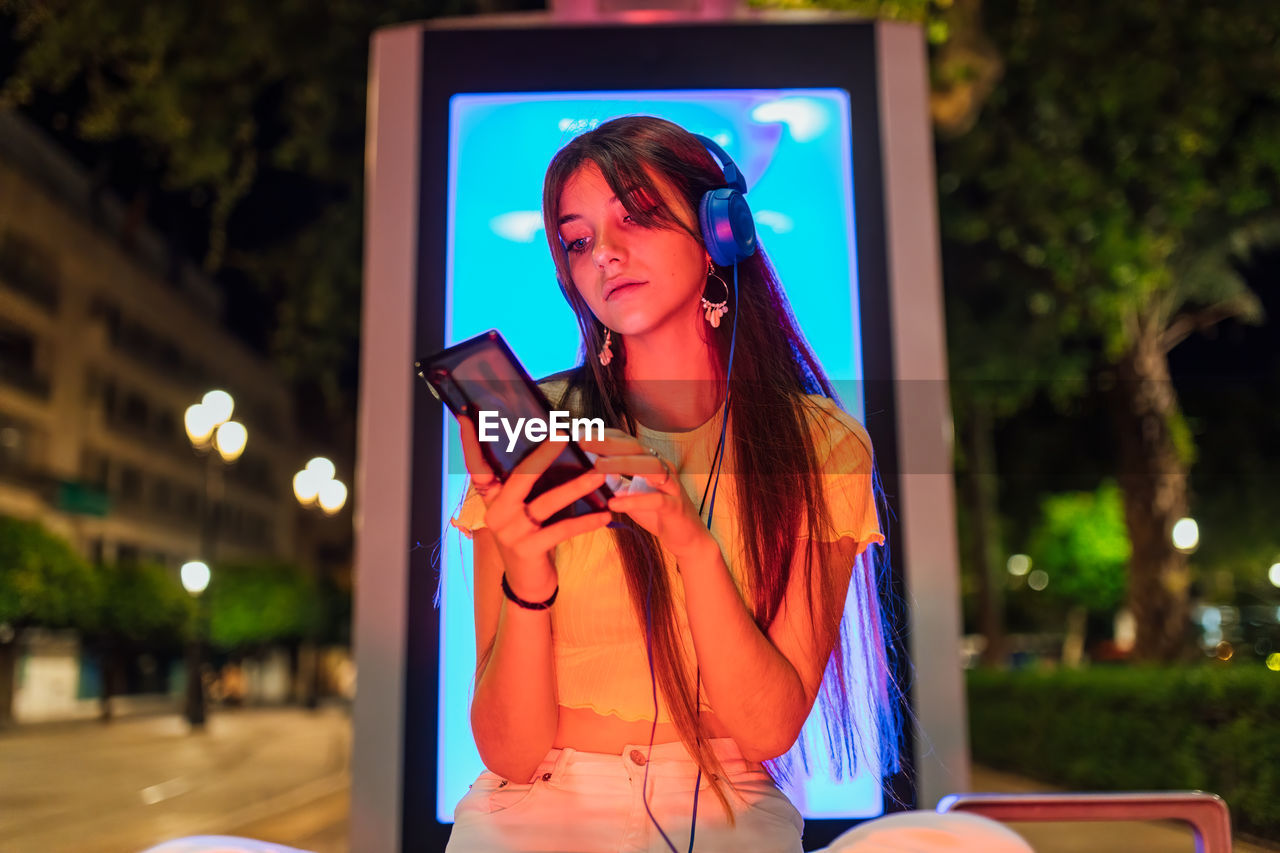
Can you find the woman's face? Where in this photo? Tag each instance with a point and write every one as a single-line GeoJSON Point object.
{"type": "Point", "coordinates": [636, 280]}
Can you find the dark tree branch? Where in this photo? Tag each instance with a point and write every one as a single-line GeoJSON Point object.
{"type": "Point", "coordinates": [1196, 321]}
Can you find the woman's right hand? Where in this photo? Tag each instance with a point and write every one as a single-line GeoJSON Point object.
{"type": "Point", "coordinates": [524, 542]}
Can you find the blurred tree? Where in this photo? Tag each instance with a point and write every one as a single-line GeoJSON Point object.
{"type": "Point", "coordinates": [255, 604]}
{"type": "Point", "coordinates": [142, 606]}
{"type": "Point", "coordinates": [256, 113]}
{"type": "Point", "coordinates": [1082, 544]}
{"type": "Point", "coordinates": [42, 582]}
{"type": "Point", "coordinates": [964, 63]}
{"type": "Point", "coordinates": [1004, 348]}
{"type": "Point", "coordinates": [1233, 483]}
{"type": "Point", "coordinates": [1128, 153]}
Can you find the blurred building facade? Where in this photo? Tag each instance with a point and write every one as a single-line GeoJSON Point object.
{"type": "Point", "coordinates": [106, 336]}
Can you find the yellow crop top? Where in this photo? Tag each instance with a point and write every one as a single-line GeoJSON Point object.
{"type": "Point", "coordinates": [600, 656]}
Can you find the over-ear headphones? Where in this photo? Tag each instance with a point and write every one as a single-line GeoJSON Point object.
{"type": "Point", "coordinates": [727, 226]}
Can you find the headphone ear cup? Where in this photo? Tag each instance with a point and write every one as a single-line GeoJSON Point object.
{"type": "Point", "coordinates": [728, 229]}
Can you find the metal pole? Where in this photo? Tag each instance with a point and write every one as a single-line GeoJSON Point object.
{"type": "Point", "coordinates": [197, 703]}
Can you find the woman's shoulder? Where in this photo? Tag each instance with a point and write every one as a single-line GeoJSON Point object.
{"type": "Point", "coordinates": [557, 387]}
{"type": "Point", "coordinates": [838, 436]}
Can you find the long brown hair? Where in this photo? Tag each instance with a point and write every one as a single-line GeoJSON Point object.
{"type": "Point", "coordinates": [773, 454]}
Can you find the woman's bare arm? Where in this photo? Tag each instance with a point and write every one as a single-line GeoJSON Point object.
{"type": "Point", "coordinates": [762, 686]}
{"type": "Point", "coordinates": [514, 710]}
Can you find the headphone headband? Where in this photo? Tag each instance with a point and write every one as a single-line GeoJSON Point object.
{"type": "Point", "coordinates": [728, 228]}
{"type": "Point", "coordinates": [732, 175]}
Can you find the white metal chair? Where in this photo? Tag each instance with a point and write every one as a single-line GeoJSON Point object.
{"type": "Point", "coordinates": [1207, 813]}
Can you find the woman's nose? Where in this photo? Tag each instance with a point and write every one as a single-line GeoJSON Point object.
{"type": "Point", "coordinates": [608, 248]}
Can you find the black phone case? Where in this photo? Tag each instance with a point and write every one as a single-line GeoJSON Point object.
{"type": "Point", "coordinates": [482, 374]}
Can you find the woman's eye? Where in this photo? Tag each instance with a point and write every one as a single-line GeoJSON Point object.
{"type": "Point", "coordinates": [579, 245]}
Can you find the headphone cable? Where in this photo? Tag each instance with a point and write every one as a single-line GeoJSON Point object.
{"type": "Point", "coordinates": [713, 484]}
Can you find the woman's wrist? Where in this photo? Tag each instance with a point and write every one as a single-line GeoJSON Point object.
{"type": "Point", "coordinates": [530, 584]}
{"type": "Point", "coordinates": [703, 550]}
{"type": "Point", "coordinates": [526, 603]}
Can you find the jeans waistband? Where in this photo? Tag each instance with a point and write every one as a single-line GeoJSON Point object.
{"type": "Point", "coordinates": [666, 758]}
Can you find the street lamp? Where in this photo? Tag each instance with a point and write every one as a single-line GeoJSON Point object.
{"type": "Point", "coordinates": [1186, 535]}
{"type": "Point", "coordinates": [315, 485]}
{"type": "Point", "coordinates": [195, 579]}
{"type": "Point", "coordinates": [209, 426]}
{"type": "Point", "coordinates": [216, 437]}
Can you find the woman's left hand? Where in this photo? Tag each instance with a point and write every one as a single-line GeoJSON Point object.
{"type": "Point", "coordinates": [666, 511]}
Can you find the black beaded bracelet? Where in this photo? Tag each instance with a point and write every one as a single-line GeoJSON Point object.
{"type": "Point", "coordinates": [527, 605]}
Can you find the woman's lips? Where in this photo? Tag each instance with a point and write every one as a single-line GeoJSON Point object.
{"type": "Point", "coordinates": [623, 289]}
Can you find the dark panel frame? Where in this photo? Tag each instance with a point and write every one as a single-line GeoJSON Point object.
{"type": "Point", "coordinates": [457, 59]}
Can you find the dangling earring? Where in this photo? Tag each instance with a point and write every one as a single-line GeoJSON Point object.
{"type": "Point", "coordinates": [606, 351]}
{"type": "Point", "coordinates": [713, 311]}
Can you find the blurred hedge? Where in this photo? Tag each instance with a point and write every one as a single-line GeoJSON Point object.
{"type": "Point", "coordinates": [259, 603]}
{"type": "Point", "coordinates": [43, 581]}
{"type": "Point", "coordinates": [1103, 728]}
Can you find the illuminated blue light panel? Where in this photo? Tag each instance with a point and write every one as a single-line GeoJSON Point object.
{"type": "Point", "coordinates": [794, 148]}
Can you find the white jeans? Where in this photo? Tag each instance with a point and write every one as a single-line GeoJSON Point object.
{"type": "Point", "coordinates": [584, 802]}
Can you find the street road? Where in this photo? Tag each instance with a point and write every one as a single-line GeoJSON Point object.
{"type": "Point", "coordinates": [282, 775]}
{"type": "Point", "coordinates": [276, 774]}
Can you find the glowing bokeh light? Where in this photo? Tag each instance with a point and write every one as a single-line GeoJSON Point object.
{"type": "Point", "coordinates": [306, 485]}
{"type": "Point", "coordinates": [332, 496]}
{"type": "Point", "coordinates": [1038, 580]}
{"type": "Point", "coordinates": [1186, 535]}
{"type": "Point", "coordinates": [1273, 661]}
{"type": "Point", "coordinates": [1018, 565]}
{"type": "Point", "coordinates": [322, 467]}
{"type": "Point", "coordinates": [230, 439]}
{"type": "Point", "coordinates": [195, 576]}
{"type": "Point", "coordinates": [199, 423]}
{"type": "Point", "coordinates": [219, 405]}
{"type": "Point", "coordinates": [1273, 575]}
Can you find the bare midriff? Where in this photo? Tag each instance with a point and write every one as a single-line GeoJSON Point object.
{"type": "Point", "coordinates": [587, 731]}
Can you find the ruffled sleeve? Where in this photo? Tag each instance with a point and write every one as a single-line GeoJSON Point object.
{"type": "Point", "coordinates": [845, 460]}
{"type": "Point", "coordinates": [470, 517]}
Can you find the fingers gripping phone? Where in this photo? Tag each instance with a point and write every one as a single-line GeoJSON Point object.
{"type": "Point", "coordinates": [481, 379]}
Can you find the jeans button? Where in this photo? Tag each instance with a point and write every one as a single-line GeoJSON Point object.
{"type": "Point", "coordinates": [637, 757]}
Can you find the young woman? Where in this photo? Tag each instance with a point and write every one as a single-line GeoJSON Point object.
{"type": "Point", "coordinates": [625, 669]}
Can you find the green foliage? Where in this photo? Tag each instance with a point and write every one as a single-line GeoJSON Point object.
{"type": "Point", "coordinates": [1213, 728]}
{"type": "Point", "coordinates": [1124, 152]}
{"type": "Point", "coordinates": [256, 603]}
{"type": "Point", "coordinates": [927, 12]}
{"type": "Point", "coordinates": [43, 581]}
{"type": "Point", "coordinates": [144, 603]}
{"type": "Point", "coordinates": [1082, 543]}
{"type": "Point", "coordinates": [1128, 158]}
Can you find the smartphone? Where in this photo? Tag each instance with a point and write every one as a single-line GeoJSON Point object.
{"type": "Point", "coordinates": [481, 377]}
